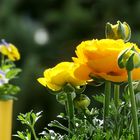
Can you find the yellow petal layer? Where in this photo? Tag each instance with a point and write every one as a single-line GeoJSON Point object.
{"type": "Point", "coordinates": [100, 56]}
{"type": "Point", "coordinates": [63, 73]}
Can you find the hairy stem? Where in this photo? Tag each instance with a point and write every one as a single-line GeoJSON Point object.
{"type": "Point", "coordinates": [70, 111]}
{"type": "Point", "coordinates": [107, 101]}
{"type": "Point", "coordinates": [116, 94]}
{"type": "Point", "coordinates": [33, 132]}
{"type": "Point", "coordinates": [133, 106]}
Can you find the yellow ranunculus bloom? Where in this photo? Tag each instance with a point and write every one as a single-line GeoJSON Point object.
{"type": "Point", "coordinates": [10, 50]}
{"type": "Point", "coordinates": [99, 57]}
{"type": "Point", "coordinates": [55, 78]}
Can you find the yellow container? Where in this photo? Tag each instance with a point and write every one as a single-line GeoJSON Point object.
{"type": "Point", "coordinates": [6, 108]}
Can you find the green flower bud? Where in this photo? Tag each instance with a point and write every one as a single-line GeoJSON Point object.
{"type": "Point", "coordinates": [81, 101]}
{"type": "Point", "coordinates": [118, 31]}
{"type": "Point", "coordinates": [68, 88]}
{"type": "Point", "coordinates": [129, 59]}
{"type": "Point", "coordinates": [61, 98]}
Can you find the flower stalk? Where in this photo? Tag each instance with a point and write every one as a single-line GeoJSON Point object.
{"type": "Point", "coordinates": [33, 132]}
{"type": "Point", "coordinates": [133, 107]}
{"type": "Point", "coordinates": [116, 95]}
{"type": "Point", "coordinates": [70, 111]}
{"type": "Point", "coordinates": [107, 101]}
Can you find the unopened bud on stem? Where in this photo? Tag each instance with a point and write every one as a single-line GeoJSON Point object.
{"type": "Point", "coordinates": [118, 31]}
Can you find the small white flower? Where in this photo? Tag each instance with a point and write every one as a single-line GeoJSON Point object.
{"type": "Point", "coordinates": [3, 79]}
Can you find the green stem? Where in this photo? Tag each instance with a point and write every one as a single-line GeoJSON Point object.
{"type": "Point", "coordinates": [70, 111]}
{"type": "Point", "coordinates": [116, 94]}
{"type": "Point", "coordinates": [133, 106]}
{"type": "Point", "coordinates": [107, 101]}
{"type": "Point", "coordinates": [116, 101]}
{"type": "Point", "coordinates": [33, 132]}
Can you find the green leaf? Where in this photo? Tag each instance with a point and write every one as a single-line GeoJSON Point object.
{"type": "Point", "coordinates": [8, 65]}
{"type": "Point", "coordinates": [13, 73]}
{"type": "Point", "coordinates": [5, 67]}
{"type": "Point", "coordinates": [99, 98]}
{"type": "Point", "coordinates": [29, 118]}
{"type": "Point", "coordinates": [23, 135]}
{"type": "Point", "coordinates": [9, 89]}
{"type": "Point", "coordinates": [61, 115]}
{"type": "Point", "coordinates": [35, 117]}
{"type": "Point", "coordinates": [58, 125]}
{"type": "Point", "coordinates": [7, 97]}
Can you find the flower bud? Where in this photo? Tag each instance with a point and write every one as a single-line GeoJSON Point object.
{"type": "Point", "coordinates": [68, 88]}
{"type": "Point", "coordinates": [118, 31]}
{"type": "Point", "coordinates": [81, 101]}
{"type": "Point", "coordinates": [129, 59]}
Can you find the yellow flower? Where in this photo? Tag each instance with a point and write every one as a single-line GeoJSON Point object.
{"type": "Point", "coordinates": [55, 78]}
{"type": "Point", "coordinates": [10, 50]}
{"type": "Point", "coordinates": [99, 58]}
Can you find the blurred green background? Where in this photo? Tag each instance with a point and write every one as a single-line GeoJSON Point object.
{"type": "Point", "coordinates": [46, 32]}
